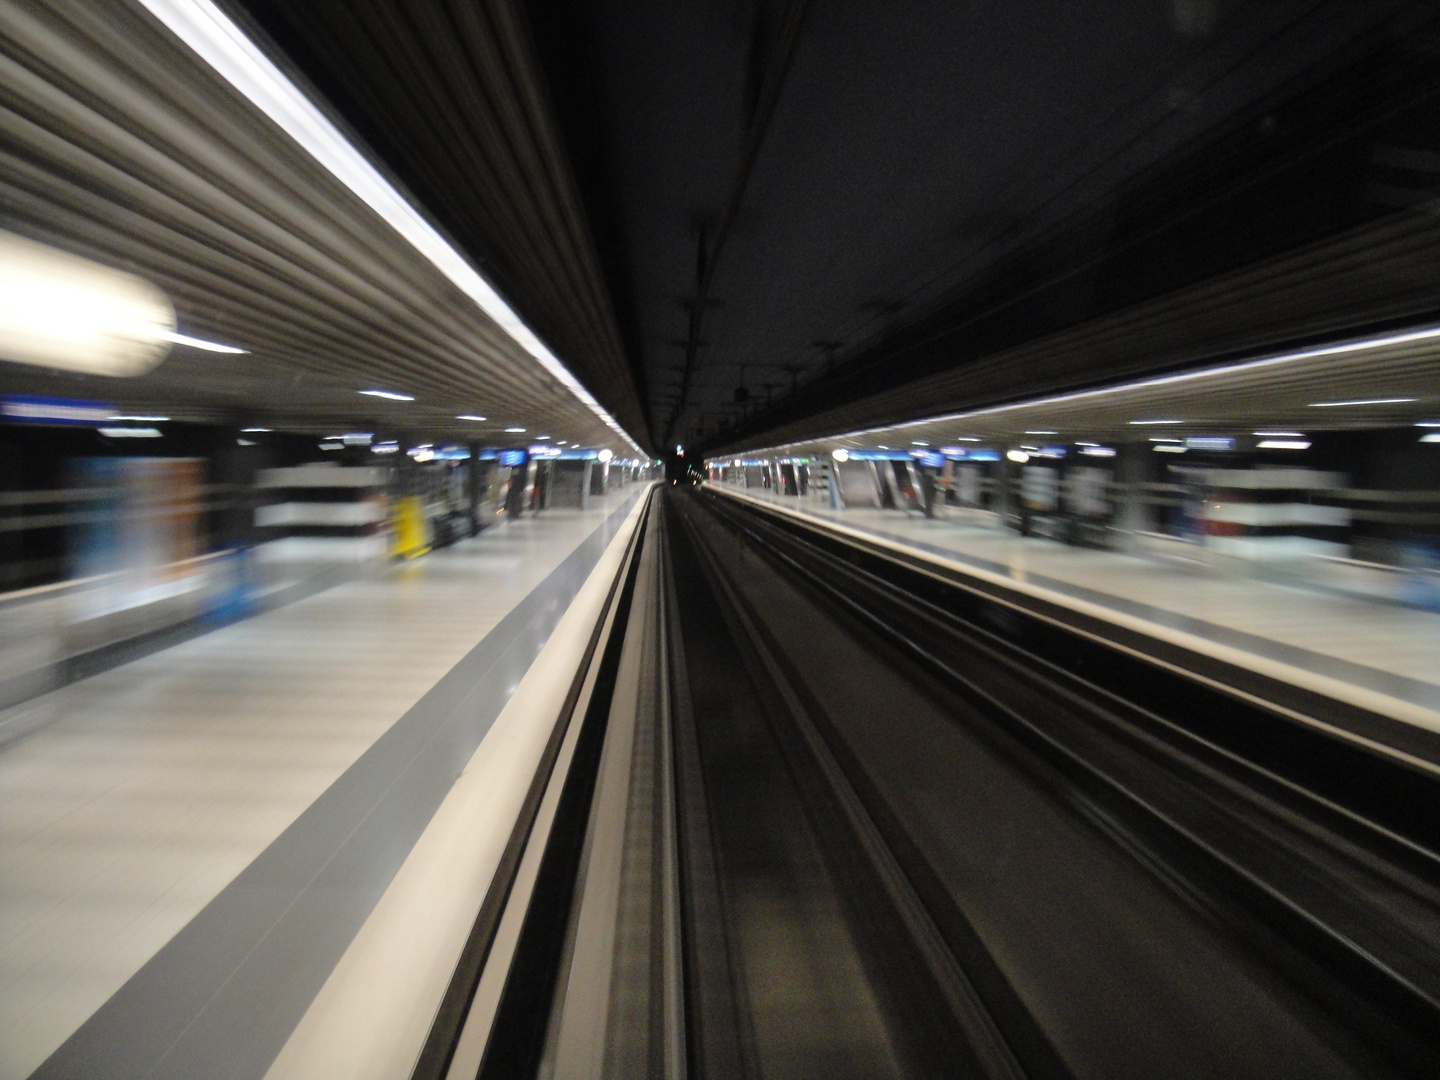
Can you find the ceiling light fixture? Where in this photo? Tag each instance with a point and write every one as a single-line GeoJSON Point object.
{"type": "Point", "coordinates": [1042, 433]}
{"type": "Point", "coordinates": [1283, 444]}
{"type": "Point", "coordinates": [387, 395]}
{"type": "Point", "coordinates": [254, 430]}
{"type": "Point", "coordinates": [201, 343]}
{"type": "Point", "coordinates": [1144, 423]}
{"type": "Point", "coordinates": [515, 430]}
{"type": "Point", "coordinates": [143, 419]}
{"type": "Point", "coordinates": [221, 44]}
{"type": "Point", "coordinates": [1364, 401]}
{"type": "Point", "coordinates": [1408, 337]}
{"type": "Point", "coordinates": [130, 432]}
{"type": "Point", "coordinates": [467, 416]}
{"type": "Point", "coordinates": [1280, 434]}
{"type": "Point", "coordinates": [59, 310]}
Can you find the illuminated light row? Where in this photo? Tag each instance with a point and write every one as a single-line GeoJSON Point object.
{"type": "Point", "coordinates": [222, 45]}
{"type": "Point", "coordinates": [1367, 401]}
{"type": "Point", "coordinates": [1430, 333]}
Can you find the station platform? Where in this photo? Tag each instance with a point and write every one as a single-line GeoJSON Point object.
{"type": "Point", "coordinates": [193, 840]}
{"type": "Point", "coordinates": [1372, 654]}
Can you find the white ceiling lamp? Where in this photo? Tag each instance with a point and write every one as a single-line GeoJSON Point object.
{"type": "Point", "coordinates": [59, 310]}
{"type": "Point", "coordinates": [222, 45]}
{"type": "Point", "coordinates": [388, 395]}
{"type": "Point", "coordinates": [1362, 401]}
{"type": "Point", "coordinates": [203, 345]}
{"type": "Point", "coordinates": [471, 416]}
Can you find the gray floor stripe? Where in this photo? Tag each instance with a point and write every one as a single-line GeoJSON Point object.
{"type": "Point", "coordinates": [221, 998]}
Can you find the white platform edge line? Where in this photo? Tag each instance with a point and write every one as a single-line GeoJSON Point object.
{"type": "Point", "coordinates": [370, 1019]}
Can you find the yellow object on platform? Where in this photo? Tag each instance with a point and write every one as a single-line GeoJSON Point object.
{"type": "Point", "coordinates": [407, 518]}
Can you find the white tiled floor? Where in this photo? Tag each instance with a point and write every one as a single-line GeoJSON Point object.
{"type": "Point", "coordinates": [154, 784]}
{"type": "Point", "coordinates": [1388, 638]}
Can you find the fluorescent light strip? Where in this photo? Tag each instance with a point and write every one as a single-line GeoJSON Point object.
{"type": "Point", "coordinates": [1280, 434]}
{"type": "Point", "coordinates": [143, 419]}
{"type": "Point", "coordinates": [222, 45]}
{"type": "Point", "coordinates": [387, 395]}
{"type": "Point", "coordinates": [201, 343]}
{"type": "Point", "coordinates": [1283, 444]}
{"type": "Point", "coordinates": [1367, 401]}
{"type": "Point", "coordinates": [477, 419]}
{"type": "Point", "coordinates": [1429, 333]}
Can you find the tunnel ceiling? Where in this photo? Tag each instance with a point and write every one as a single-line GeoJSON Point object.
{"type": "Point", "coordinates": [121, 145]}
{"type": "Point", "coordinates": [742, 222]}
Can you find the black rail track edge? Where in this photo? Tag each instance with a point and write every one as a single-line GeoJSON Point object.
{"type": "Point", "coordinates": [444, 1036]}
{"type": "Point", "coordinates": [517, 1038]}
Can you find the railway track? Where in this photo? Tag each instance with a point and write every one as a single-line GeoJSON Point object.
{"type": "Point", "coordinates": [829, 811]}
